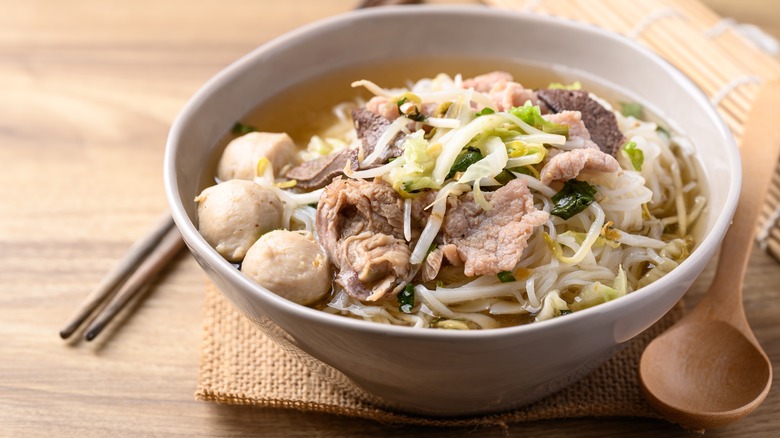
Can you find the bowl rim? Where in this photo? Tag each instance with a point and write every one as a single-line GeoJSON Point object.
{"type": "Point", "coordinates": [198, 245]}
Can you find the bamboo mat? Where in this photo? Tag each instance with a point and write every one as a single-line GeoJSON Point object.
{"type": "Point", "coordinates": [728, 67]}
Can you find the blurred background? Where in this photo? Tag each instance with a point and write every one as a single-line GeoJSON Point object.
{"type": "Point", "coordinates": [88, 91]}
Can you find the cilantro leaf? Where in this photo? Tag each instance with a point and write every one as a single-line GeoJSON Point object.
{"type": "Point", "coordinates": [406, 299]}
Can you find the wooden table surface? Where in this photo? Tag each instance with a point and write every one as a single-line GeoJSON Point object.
{"type": "Point", "coordinates": [88, 90]}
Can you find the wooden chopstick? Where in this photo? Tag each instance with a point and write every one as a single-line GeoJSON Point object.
{"type": "Point", "coordinates": [158, 259]}
{"type": "Point", "coordinates": [374, 3]}
{"type": "Point", "coordinates": [119, 274]}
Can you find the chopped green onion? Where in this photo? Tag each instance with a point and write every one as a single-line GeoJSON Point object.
{"type": "Point", "coordinates": [406, 299]}
{"type": "Point", "coordinates": [523, 169]}
{"type": "Point", "coordinates": [634, 154]}
{"type": "Point", "coordinates": [504, 177]}
{"type": "Point", "coordinates": [574, 197]}
{"type": "Point", "coordinates": [431, 248]}
{"type": "Point", "coordinates": [631, 109]}
{"type": "Point", "coordinates": [485, 111]}
{"type": "Point", "coordinates": [416, 115]}
{"type": "Point", "coordinates": [466, 158]}
{"type": "Point", "coordinates": [242, 128]}
{"type": "Point", "coordinates": [506, 277]}
{"type": "Point", "coordinates": [533, 116]}
{"type": "Point", "coordinates": [664, 131]}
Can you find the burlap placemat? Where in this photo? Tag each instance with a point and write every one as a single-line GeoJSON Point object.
{"type": "Point", "coordinates": [240, 365]}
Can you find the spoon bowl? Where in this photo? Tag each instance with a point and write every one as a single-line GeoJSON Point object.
{"type": "Point", "coordinates": [724, 390]}
{"type": "Point", "coordinates": [709, 370]}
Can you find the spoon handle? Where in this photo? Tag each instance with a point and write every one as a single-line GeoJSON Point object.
{"type": "Point", "coordinates": [759, 150]}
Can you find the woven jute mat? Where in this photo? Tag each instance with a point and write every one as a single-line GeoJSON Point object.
{"type": "Point", "coordinates": [241, 365]}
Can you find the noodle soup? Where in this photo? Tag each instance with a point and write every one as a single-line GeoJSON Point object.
{"type": "Point", "coordinates": [462, 200]}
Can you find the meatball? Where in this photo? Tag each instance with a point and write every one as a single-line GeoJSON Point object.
{"type": "Point", "coordinates": [290, 264]}
{"type": "Point", "coordinates": [232, 215]}
{"type": "Point", "coordinates": [239, 160]}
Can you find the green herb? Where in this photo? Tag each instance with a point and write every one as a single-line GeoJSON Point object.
{"type": "Point", "coordinates": [525, 170]}
{"type": "Point", "coordinates": [631, 109]}
{"type": "Point", "coordinates": [506, 277]}
{"type": "Point", "coordinates": [430, 249]}
{"type": "Point", "coordinates": [504, 177]}
{"type": "Point", "coordinates": [466, 158]}
{"type": "Point", "coordinates": [406, 299]}
{"type": "Point", "coordinates": [416, 115]}
{"type": "Point", "coordinates": [634, 154]}
{"type": "Point", "coordinates": [532, 115]}
{"type": "Point", "coordinates": [559, 86]}
{"type": "Point", "coordinates": [574, 197]}
{"type": "Point", "coordinates": [565, 312]}
{"type": "Point", "coordinates": [664, 131]}
{"type": "Point", "coordinates": [313, 205]}
{"type": "Point", "coordinates": [485, 111]}
{"type": "Point", "coordinates": [242, 128]}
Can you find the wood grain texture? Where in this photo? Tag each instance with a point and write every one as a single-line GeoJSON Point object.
{"type": "Point", "coordinates": [88, 90]}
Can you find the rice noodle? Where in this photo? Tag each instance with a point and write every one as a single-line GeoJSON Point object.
{"type": "Point", "coordinates": [408, 219]}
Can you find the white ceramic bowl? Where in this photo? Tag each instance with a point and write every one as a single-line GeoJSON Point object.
{"type": "Point", "coordinates": [438, 372]}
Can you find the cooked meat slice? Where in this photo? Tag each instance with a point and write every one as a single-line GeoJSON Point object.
{"type": "Point", "coordinates": [360, 225]}
{"type": "Point", "coordinates": [315, 174]}
{"type": "Point", "coordinates": [507, 95]}
{"type": "Point", "coordinates": [420, 210]}
{"type": "Point", "coordinates": [450, 253]}
{"type": "Point", "coordinates": [601, 122]}
{"type": "Point", "coordinates": [492, 241]}
{"type": "Point", "coordinates": [318, 173]}
{"type": "Point", "coordinates": [369, 128]}
{"type": "Point", "coordinates": [383, 107]}
{"type": "Point", "coordinates": [578, 134]}
{"type": "Point", "coordinates": [484, 83]}
{"type": "Point", "coordinates": [502, 90]}
{"type": "Point", "coordinates": [568, 165]}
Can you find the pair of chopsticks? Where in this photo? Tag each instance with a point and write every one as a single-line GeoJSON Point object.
{"type": "Point", "coordinates": [142, 262]}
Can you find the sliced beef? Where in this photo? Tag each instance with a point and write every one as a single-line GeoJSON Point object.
{"type": "Point", "coordinates": [507, 95]}
{"type": "Point", "coordinates": [601, 122]}
{"type": "Point", "coordinates": [360, 225]}
{"type": "Point", "coordinates": [578, 134]}
{"type": "Point", "coordinates": [384, 107]}
{"type": "Point", "coordinates": [484, 83]}
{"type": "Point", "coordinates": [315, 174]}
{"type": "Point", "coordinates": [502, 90]}
{"type": "Point", "coordinates": [451, 254]}
{"type": "Point", "coordinates": [567, 165]}
{"type": "Point", "coordinates": [369, 128]}
{"type": "Point", "coordinates": [489, 242]}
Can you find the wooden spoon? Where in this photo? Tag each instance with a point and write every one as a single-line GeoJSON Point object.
{"type": "Point", "coordinates": [709, 370]}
